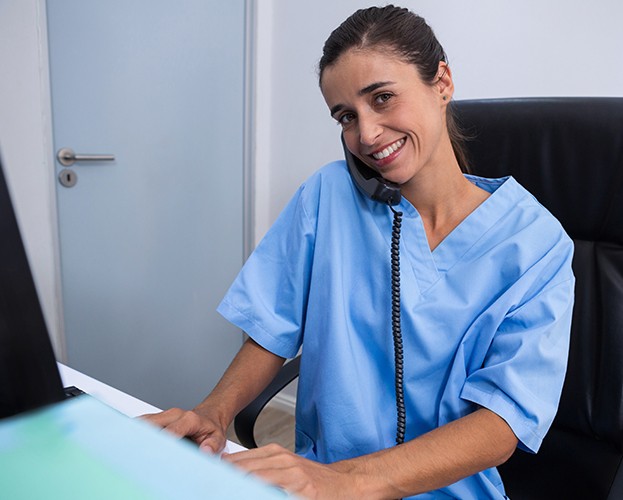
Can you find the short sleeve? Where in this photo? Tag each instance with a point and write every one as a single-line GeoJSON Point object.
{"type": "Point", "coordinates": [523, 373]}
{"type": "Point", "coordinates": [268, 299]}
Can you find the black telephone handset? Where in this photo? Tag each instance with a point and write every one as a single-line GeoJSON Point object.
{"type": "Point", "coordinates": [369, 181]}
{"type": "Point", "coordinates": [377, 188]}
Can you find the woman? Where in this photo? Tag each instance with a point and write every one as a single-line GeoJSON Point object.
{"type": "Point", "coordinates": [486, 296]}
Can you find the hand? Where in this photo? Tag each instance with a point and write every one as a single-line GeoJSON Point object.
{"type": "Point", "coordinates": [295, 474]}
{"type": "Point", "coordinates": [206, 431]}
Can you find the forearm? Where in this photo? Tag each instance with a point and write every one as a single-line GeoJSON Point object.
{"type": "Point", "coordinates": [248, 374]}
{"type": "Point", "coordinates": [443, 456]}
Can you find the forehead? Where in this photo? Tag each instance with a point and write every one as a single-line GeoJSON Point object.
{"type": "Point", "coordinates": [357, 69]}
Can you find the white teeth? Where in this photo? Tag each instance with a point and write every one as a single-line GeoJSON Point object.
{"type": "Point", "coordinates": [389, 150]}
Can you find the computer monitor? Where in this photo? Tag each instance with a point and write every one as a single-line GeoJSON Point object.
{"type": "Point", "coordinates": [29, 376]}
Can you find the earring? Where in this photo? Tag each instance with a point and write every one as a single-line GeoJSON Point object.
{"type": "Point", "coordinates": [445, 98]}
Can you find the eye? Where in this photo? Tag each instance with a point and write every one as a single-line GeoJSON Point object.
{"type": "Point", "coordinates": [383, 97]}
{"type": "Point", "coordinates": [345, 118]}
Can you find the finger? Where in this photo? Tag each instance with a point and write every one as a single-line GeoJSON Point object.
{"type": "Point", "coordinates": [187, 423]}
{"type": "Point", "coordinates": [289, 479]}
{"type": "Point", "coordinates": [214, 443]}
{"type": "Point", "coordinates": [267, 451]}
{"type": "Point", "coordinates": [180, 422]}
{"type": "Point", "coordinates": [283, 478]}
{"type": "Point", "coordinates": [163, 418]}
{"type": "Point", "coordinates": [257, 460]}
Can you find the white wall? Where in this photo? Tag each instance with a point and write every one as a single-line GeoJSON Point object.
{"type": "Point", "coordinates": [26, 146]}
{"type": "Point", "coordinates": [496, 48]}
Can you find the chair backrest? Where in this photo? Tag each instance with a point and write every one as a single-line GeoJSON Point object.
{"type": "Point", "coordinates": [569, 153]}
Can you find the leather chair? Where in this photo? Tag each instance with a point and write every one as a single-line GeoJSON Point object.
{"type": "Point", "coordinates": [569, 153]}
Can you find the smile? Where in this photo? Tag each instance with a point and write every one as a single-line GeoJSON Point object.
{"type": "Point", "coordinates": [388, 150]}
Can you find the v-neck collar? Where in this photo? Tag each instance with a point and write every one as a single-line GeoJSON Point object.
{"type": "Point", "coordinates": [429, 266]}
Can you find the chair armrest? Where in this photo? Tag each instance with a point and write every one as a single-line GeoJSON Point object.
{"type": "Point", "coordinates": [244, 422]}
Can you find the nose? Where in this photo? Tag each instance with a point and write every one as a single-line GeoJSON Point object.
{"type": "Point", "coordinates": [369, 129]}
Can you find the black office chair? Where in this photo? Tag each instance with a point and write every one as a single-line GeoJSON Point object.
{"type": "Point", "coordinates": [569, 153]}
{"type": "Point", "coordinates": [244, 423]}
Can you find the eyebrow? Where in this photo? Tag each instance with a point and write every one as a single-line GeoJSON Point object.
{"type": "Point", "coordinates": [366, 90]}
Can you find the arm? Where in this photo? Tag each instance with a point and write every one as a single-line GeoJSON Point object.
{"type": "Point", "coordinates": [441, 457]}
{"type": "Point", "coordinates": [247, 375]}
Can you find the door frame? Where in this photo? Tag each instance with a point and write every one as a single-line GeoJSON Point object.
{"type": "Point", "coordinates": [248, 144]}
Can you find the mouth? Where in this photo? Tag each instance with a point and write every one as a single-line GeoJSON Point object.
{"type": "Point", "coordinates": [388, 150]}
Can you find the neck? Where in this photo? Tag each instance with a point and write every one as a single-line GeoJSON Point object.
{"type": "Point", "coordinates": [443, 198]}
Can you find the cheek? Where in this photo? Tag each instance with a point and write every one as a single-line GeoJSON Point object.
{"type": "Point", "coordinates": [351, 139]}
{"type": "Point", "coordinates": [429, 125]}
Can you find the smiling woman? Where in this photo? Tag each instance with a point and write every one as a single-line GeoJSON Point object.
{"type": "Point", "coordinates": [412, 42]}
{"type": "Point", "coordinates": [377, 115]}
{"type": "Point", "coordinates": [396, 123]}
{"type": "Point", "coordinates": [484, 309]}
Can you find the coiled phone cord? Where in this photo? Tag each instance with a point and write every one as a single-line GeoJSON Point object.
{"type": "Point", "coordinates": [396, 331]}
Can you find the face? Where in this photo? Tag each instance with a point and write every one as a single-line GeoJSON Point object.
{"type": "Point", "coordinates": [391, 120]}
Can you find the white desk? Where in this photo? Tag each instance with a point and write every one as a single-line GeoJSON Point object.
{"type": "Point", "coordinates": [120, 401]}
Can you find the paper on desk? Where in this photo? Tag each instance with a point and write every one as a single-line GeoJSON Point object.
{"type": "Point", "coordinates": [82, 448]}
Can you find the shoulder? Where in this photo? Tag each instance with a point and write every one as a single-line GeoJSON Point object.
{"type": "Point", "coordinates": [324, 190]}
{"type": "Point", "coordinates": [521, 228]}
{"type": "Point", "coordinates": [544, 223]}
{"type": "Point", "coordinates": [332, 175]}
{"type": "Point", "coordinates": [329, 184]}
{"type": "Point", "coordinates": [515, 204]}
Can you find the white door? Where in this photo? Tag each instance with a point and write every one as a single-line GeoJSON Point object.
{"type": "Point", "coordinates": [151, 241]}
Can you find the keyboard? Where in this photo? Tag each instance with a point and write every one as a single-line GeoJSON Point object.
{"type": "Point", "coordinates": [72, 391]}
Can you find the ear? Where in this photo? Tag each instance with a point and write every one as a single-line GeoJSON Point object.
{"type": "Point", "coordinates": [444, 83]}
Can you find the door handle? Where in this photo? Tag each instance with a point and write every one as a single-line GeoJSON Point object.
{"type": "Point", "coordinates": [67, 157]}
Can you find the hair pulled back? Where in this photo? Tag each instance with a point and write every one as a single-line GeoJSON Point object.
{"type": "Point", "coordinates": [403, 33]}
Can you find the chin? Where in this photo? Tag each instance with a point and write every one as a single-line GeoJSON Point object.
{"type": "Point", "coordinates": [395, 177]}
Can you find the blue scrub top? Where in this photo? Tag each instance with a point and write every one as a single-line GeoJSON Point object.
{"type": "Point", "coordinates": [485, 317]}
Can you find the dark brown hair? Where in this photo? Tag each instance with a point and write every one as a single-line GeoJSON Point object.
{"type": "Point", "coordinates": [408, 36]}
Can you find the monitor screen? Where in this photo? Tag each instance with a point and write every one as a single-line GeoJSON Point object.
{"type": "Point", "coordinates": [29, 376]}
